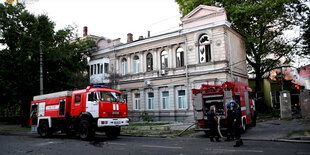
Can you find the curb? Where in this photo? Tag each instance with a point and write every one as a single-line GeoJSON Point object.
{"type": "Point", "coordinates": [278, 140]}
{"type": "Point", "coordinates": [156, 136]}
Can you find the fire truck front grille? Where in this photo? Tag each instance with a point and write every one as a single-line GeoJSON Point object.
{"type": "Point", "coordinates": [115, 114]}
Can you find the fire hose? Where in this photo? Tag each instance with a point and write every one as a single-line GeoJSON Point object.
{"type": "Point", "coordinates": [219, 127]}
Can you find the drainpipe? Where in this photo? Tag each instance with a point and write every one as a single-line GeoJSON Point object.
{"type": "Point", "coordinates": [230, 59]}
{"type": "Point", "coordinates": [114, 77]}
{"type": "Point", "coordinates": [186, 72]}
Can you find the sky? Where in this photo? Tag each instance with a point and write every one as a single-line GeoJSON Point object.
{"type": "Point", "coordinates": [115, 18]}
{"type": "Point", "coordinates": [111, 18]}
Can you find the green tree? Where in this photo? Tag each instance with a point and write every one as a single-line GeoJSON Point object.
{"type": "Point", "coordinates": [23, 35]}
{"type": "Point", "coordinates": [262, 24]}
{"type": "Point", "coordinates": [306, 39]}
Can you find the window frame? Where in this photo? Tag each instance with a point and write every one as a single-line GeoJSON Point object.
{"type": "Point", "coordinates": [204, 45]}
{"type": "Point", "coordinates": [136, 64]}
{"type": "Point", "coordinates": [149, 62]}
{"type": "Point", "coordinates": [106, 67]}
{"type": "Point", "coordinates": [164, 57]}
{"type": "Point", "coordinates": [137, 101]}
{"type": "Point", "coordinates": [150, 101]}
{"type": "Point", "coordinates": [124, 66]}
{"type": "Point", "coordinates": [166, 98]}
{"type": "Point", "coordinates": [75, 96]}
{"type": "Point", "coordinates": [182, 98]}
{"type": "Point", "coordinates": [180, 51]}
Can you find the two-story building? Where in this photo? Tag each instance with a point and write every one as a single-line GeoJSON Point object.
{"type": "Point", "coordinates": [156, 73]}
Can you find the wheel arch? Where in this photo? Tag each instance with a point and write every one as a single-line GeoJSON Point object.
{"type": "Point", "coordinates": [46, 118]}
{"type": "Point", "coordinates": [86, 115]}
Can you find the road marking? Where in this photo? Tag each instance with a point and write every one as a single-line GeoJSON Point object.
{"type": "Point", "coordinates": [228, 150]}
{"type": "Point", "coordinates": [46, 143]}
{"type": "Point", "coordinates": [165, 147]}
{"type": "Point", "coordinates": [303, 153]}
{"type": "Point", "coordinates": [118, 144]}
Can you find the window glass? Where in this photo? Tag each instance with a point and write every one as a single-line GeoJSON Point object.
{"type": "Point", "coordinates": [180, 57]}
{"type": "Point", "coordinates": [98, 68]}
{"type": "Point", "coordinates": [150, 101]}
{"type": "Point", "coordinates": [164, 59]}
{"type": "Point", "coordinates": [110, 96]}
{"type": "Point", "coordinates": [137, 101]}
{"type": "Point", "coordinates": [106, 67]}
{"type": "Point", "coordinates": [91, 69]}
{"type": "Point", "coordinates": [181, 99]}
{"type": "Point", "coordinates": [95, 69]}
{"type": "Point", "coordinates": [77, 98]}
{"type": "Point", "coordinates": [204, 49]}
{"type": "Point", "coordinates": [149, 61]}
{"type": "Point", "coordinates": [136, 64]}
{"type": "Point", "coordinates": [92, 96]}
{"type": "Point", "coordinates": [165, 100]}
{"type": "Point", "coordinates": [101, 68]}
{"type": "Point", "coordinates": [62, 106]}
{"type": "Point", "coordinates": [124, 66]}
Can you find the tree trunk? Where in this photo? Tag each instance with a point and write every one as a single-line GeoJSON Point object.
{"type": "Point", "coordinates": [257, 80]}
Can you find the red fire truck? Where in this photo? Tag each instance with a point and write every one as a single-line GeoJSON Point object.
{"type": "Point", "coordinates": [79, 112]}
{"type": "Point", "coordinates": [218, 95]}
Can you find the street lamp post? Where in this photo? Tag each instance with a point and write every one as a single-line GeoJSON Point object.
{"type": "Point", "coordinates": [41, 70]}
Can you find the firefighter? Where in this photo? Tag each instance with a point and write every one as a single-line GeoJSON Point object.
{"type": "Point", "coordinates": [235, 115]}
{"type": "Point", "coordinates": [212, 122]}
{"type": "Point", "coordinates": [230, 135]}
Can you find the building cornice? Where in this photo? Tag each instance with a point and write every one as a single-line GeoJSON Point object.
{"type": "Point", "coordinates": [163, 36]}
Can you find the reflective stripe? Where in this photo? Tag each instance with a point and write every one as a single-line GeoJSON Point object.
{"type": "Point", "coordinates": [52, 107]}
{"type": "Point", "coordinates": [243, 108]}
{"type": "Point", "coordinates": [115, 107]}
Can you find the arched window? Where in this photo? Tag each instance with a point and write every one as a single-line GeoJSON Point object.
{"type": "Point", "coordinates": [136, 64]}
{"type": "Point", "coordinates": [180, 57]}
{"type": "Point", "coordinates": [149, 62]}
{"type": "Point", "coordinates": [204, 49]}
{"type": "Point", "coordinates": [124, 66]}
{"type": "Point", "coordinates": [164, 59]}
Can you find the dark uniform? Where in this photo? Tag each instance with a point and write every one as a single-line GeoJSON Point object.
{"type": "Point", "coordinates": [213, 126]}
{"type": "Point", "coordinates": [235, 115]}
{"type": "Point", "coordinates": [230, 135]}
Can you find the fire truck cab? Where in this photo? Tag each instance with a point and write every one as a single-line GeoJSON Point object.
{"type": "Point", "coordinates": [218, 95]}
{"type": "Point", "coordinates": [79, 112]}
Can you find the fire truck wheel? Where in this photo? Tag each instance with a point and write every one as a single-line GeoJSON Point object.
{"type": "Point", "coordinates": [43, 129]}
{"type": "Point", "coordinates": [86, 131]}
{"type": "Point", "coordinates": [113, 132]}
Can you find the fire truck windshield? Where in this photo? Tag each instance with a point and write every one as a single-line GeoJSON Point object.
{"type": "Point", "coordinates": [109, 96]}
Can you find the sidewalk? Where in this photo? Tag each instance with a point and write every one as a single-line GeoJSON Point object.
{"type": "Point", "coordinates": [296, 130]}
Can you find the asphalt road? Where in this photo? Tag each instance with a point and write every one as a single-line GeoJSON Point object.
{"type": "Point", "coordinates": [60, 144]}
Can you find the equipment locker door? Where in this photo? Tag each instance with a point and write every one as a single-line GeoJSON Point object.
{"type": "Point", "coordinates": [198, 108]}
{"type": "Point", "coordinates": [76, 105]}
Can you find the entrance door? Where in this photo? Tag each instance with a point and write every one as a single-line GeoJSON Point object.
{"type": "Point", "coordinates": [92, 104]}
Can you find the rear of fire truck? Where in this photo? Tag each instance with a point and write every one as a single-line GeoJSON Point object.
{"type": "Point", "coordinates": [218, 95]}
{"type": "Point", "coordinates": [205, 97]}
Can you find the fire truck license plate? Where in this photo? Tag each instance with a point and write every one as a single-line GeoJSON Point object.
{"type": "Point", "coordinates": [115, 113]}
{"type": "Point", "coordinates": [117, 122]}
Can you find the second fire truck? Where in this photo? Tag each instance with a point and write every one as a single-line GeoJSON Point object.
{"type": "Point", "coordinates": [218, 95]}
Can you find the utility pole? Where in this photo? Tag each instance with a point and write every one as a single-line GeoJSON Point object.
{"type": "Point", "coordinates": [41, 70]}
